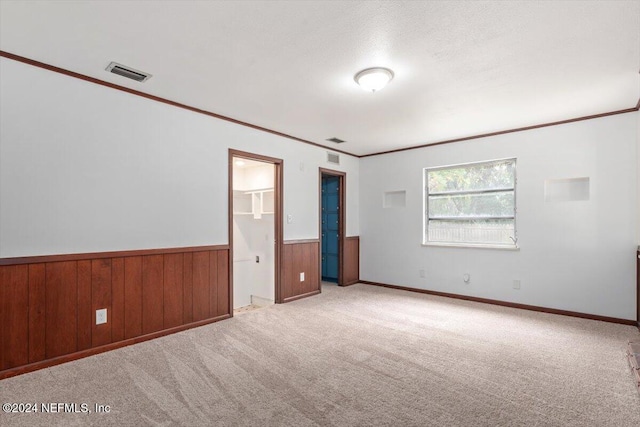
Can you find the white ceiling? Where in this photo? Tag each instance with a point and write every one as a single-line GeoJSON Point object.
{"type": "Point", "coordinates": [249, 164]}
{"type": "Point", "coordinates": [461, 68]}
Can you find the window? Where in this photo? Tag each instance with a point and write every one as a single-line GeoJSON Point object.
{"type": "Point", "coordinates": [471, 204]}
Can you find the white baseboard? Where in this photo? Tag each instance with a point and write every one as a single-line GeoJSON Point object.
{"type": "Point", "coordinates": [261, 302]}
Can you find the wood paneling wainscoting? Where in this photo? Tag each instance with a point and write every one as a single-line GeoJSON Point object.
{"type": "Point", "coordinates": [351, 260]}
{"type": "Point", "coordinates": [300, 256]}
{"type": "Point", "coordinates": [48, 303]}
{"type": "Point", "coordinates": [303, 256]}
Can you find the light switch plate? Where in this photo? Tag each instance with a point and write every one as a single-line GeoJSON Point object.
{"type": "Point", "coordinates": [302, 277]}
{"type": "Point", "coordinates": [101, 316]}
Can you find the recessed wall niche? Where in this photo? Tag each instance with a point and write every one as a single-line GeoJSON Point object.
{"type": "Point", "coordinates": [394, 199]}
{"type": "Point", "coordinates": [566, 190]}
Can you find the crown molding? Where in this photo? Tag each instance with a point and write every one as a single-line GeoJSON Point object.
{"type": "Point", "coordinates": [84, 77]}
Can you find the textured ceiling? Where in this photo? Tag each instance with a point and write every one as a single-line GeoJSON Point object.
{"type": "Point", "coordinates": [461, 68]}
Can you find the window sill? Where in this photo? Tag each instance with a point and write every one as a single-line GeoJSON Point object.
{"type": "Point", "coordinates": [473, 246]}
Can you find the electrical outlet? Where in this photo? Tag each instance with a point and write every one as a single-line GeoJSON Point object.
{"type": "Point", "coordinates": [302, 277]}
{"type": "Point", "coordinates": [421, 273]}
{"type": "Point", "coordinates": [101, 316]}
{"type": "Point", "coordinates": [516, 284]}
{"type": "Point", "coordinates": [466, 277]}
{"type": "Point", "coordinates": [289, 219]}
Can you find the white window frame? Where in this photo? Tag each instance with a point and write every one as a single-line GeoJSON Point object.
{"type": "Point", "coordinates": [425, 206]}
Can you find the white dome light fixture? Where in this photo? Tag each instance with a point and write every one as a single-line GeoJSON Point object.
{"type": "Point", "coordinates": [373, 79]}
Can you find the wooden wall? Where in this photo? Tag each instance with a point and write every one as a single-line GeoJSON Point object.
{"type": "Point", "coordinates": [351, 260]}
{"type": "Point", "coordinates": [300, 256]}
{"type": "Point", "coordinates": [48, 304]}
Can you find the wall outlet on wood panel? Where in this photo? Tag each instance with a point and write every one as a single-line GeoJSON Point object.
{"type": "Point", "coordinates": [302, 277]}
{"type": "Point", "coordinates": [101, 316]}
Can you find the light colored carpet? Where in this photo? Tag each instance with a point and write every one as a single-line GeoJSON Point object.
{"type": "Point", "coordinates": [356, 356]}
{"type": "Point", "coordinates": [246, 308]}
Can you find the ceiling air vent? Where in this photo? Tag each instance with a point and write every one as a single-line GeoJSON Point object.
{"type": "Point", "coordinates": [128, 72]}
{"type": "Point", "coordinates": [333, 158]}
{"type": "Point", "coordinates": [336, 140]}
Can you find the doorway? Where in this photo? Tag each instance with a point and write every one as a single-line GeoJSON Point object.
{"type": "Point", "coordinates": [255, 229]}
{"type": "Point", "coordinates": [332, 214]}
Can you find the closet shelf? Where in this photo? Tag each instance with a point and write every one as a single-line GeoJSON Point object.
{"type": "Point", "coordinates": [254, 202]}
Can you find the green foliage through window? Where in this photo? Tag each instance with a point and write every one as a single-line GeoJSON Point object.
{"type": "Point", "coordinates": [472, 203]}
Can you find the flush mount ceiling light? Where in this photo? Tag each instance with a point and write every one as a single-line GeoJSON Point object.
{"type": "Point", "coordinates": [373, 79]}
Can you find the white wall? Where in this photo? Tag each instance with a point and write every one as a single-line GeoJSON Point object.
{"type": "Point", "coordinates": [254, 177]}
{"type": "Point", "coordinates": [253, 237]}
{"type": "Point", "coordinates": [577, 256]}
{"type": "Point", "coordinates": [85, 168]}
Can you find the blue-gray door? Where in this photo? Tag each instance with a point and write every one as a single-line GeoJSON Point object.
{"type": "Point", "coordinates": [330, 227]}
